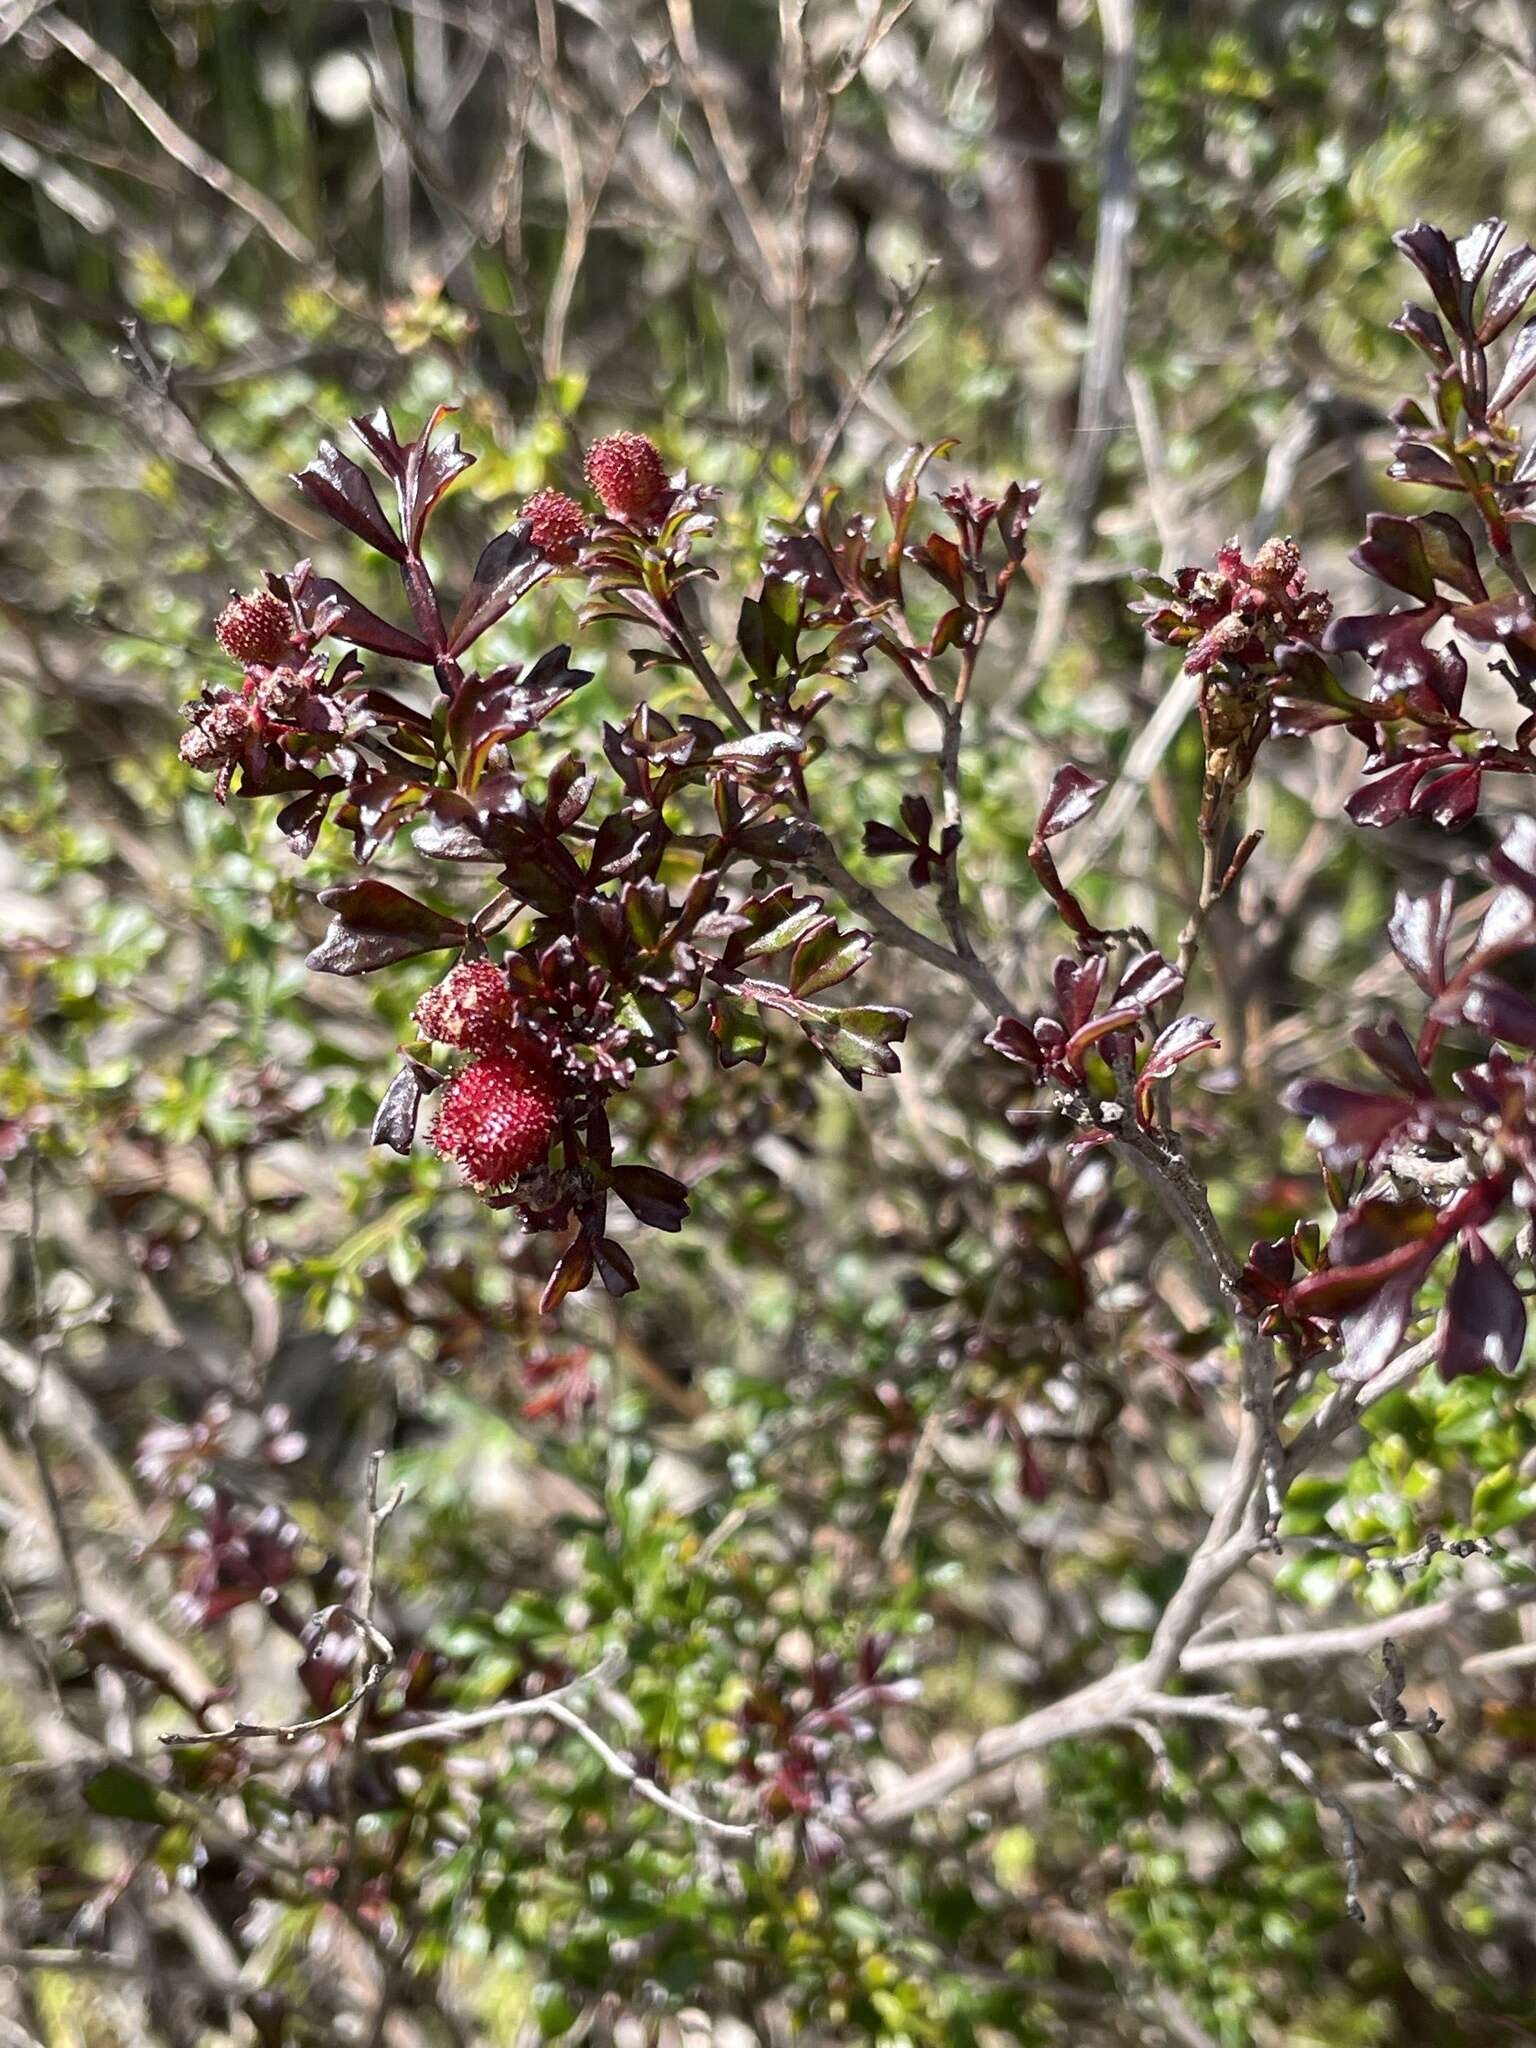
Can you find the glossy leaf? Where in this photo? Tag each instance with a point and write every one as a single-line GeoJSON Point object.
{"type": "Point", "coordinates": [376, 924]}
{"type": "Point", "coordinates": [1484, 1321]}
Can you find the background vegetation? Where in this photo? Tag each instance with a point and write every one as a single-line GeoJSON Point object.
{"type": "Point", "coordinates": [905, 1378]}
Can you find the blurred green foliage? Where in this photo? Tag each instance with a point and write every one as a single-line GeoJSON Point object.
{"type": "Point", "coordinates": [189, 1198]}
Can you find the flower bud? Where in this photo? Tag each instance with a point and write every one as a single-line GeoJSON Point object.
{"type": "Point", "coordinates": [498, 1118]}
{"type": "Point", "coordinates": [255, 630]}
{"type": "Point", "coordinates": [626, 472]}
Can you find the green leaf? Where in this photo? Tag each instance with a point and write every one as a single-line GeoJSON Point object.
{"type": "Point", "coordinates": [122, 1794]}
{"type": "Point", "coordinates": [1501, 1499]}
{"type": "Point", "coordinates": [737, 1029]}
{"type": "Point", "coordinates": [859, 1041]}
{"type": "Point", "coordinates": [648, 1016]}
{"type": "Point", "coordinates": [753, 640]}
{"type": "Point", "coordinates": [826, 957]}
{"type": "Point", "coordinates": [554, 2009]}
{"type": "Point", "coordinates": [781, 919]}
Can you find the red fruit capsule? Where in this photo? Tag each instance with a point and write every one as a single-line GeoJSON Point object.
{"type": "Point", "coordinates": [255, 630]}
{"type": "Point", "coordinates": [472, 1008]}
{"type": "Point", "coordinates": [498, 1118]}
{"type": "Point", "coordinates": [556, 524]}
{"type": "Point", "coordinates": [626, 472]}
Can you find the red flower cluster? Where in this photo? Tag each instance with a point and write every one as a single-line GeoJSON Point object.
{"type": "Point", "coordinates": [611, 960]}
{"type": "Point", "coordinates": [255, 630]}
{"type": "Point", "coordinates": [1240, 611]}
{"type": "Point", "coordinates": [499, 1114]}
{"type": "Point", "coordinates": [473, 1008]}
{"type": "Point", "coordinates": [252, 727]}
{"type": "Point", "coordinates": [626, 472]}
{"type": "Point", "coordinates": [556, 524]}
{"type": "Point", "coordinates": [498, 1117]}
{"type": "Point", "coordinates": [628, 475]}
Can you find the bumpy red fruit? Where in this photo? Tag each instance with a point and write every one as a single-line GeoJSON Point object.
{"type": "Point", "coordinates": [556, 524]}
{"type": "Point", "coordinates": [472, 1007]}
{"type": "Point", "coordinates": [498, 1118]}
{"type": "Point", "coordinates": [254, 629]}
{"type": "Point", "coordinates": [626, 472]}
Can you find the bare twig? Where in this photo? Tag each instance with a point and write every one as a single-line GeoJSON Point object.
{"type": "Point", "coordinates": [1274, 1731]}
{"type": "Point", "coordinates": [897, 322]}
{"type": "Point", "coordinates": [894, 1540]}
{"type": "Point", "coordinates": [729, 149]}
{"type": "Point", "coordinates": [175, 141]}
{"type": "Point", "coordinates": [1108, 309]}
{"type": "Point", "coordinates": [454, 1727]}
{"type": "Point", "coordinates": [640, 1785]}
{"type": "Point", "coordinates": [381, 1650]}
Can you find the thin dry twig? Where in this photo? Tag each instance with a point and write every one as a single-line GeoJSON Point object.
{"type": "Point", "coordinates": [1104, 356]}
{"type": "Point", "coordinates": [454, 1727]}
{"type": "Point", "coordinates": [894, 1540]}
{"type": "Point", "coordinates": [896, 325]}
{"type": "Point", "coordinates": [175, 141]}
{"type": "Point", "coordinates": [644, 1787]}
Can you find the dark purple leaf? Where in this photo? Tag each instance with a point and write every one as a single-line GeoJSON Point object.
{"type": "Point", "coordinates": [454, 828]}
{"type": "Point", "coordinates": [616, 1269]}
{"type": "Point", "coordinates": [756, 751]}
{"type": "Point", "coordinates": [1387, 1045]}
{"type": "Point", "coordinates": [885, 839]}
{"type": "Point", "coordinates": [1425, 332]}
{"type": "Point", "coordinates": [346, 617]}
{"type": "Point", "coordinates": [1377, 1241]}
{"type": "Point", "coordinates": [300, 821]}
{"type": "Point", "coordinates": [1386, 800]}
{"type": "Point", "coordinates": [572, 1273]}
{"type": "Point", "coordinates": [1513, 860]}
{"type": "Point", "coordinates": [1123, 1018]}
{"type": "Point", "coordinates": [1508, 289]}
{"type": "Point", "coordinates": [655, 1197]}
{"type": "Point", "coordinates": [1474, 251]}
{"type": "Point", "coordinates": [1450, 801]}
{"type": "Point", "coordinates": [1393, 552]}
{"type": "Point", "coordinates": [1413, 463]}
{"type": "Point", "coordinates": [1496, 619]}
{"type": "Point", "coordinates": [395, 1123]}
{"type": "Point", "coordinates": [941, 558]}
{"type": "Point", "coordinates": [1519, 369]}
{"type": "Point", "coordinates": [382, 805]}
{"type": "Point", "coordinates": [335, 484]}
{"type": "Point", "coordinates": [375, 925]}
{"type": "Point", "coordinates": [1451, 555]}
{"type": "Point", "coordinates": [1509, 923]}
{"type": "Point", "coordinates": [1499, 1011]}
{"type": "Point", "coordinates": [901, 484]}
{"type": "Point", "coordinates": [1372, 1332]}
{"type": "Point", "coordinates": [1071, 796]}
{"type": "Point", "coordinates": [1077, 984]}
{"type": "Point", "coordinates": [420, 470]}
{"type": "Point", "coordinates": [1346, 1125]}
{"type": "Point", "coordinates": [1484, 1321]}
{"type": "Point", "coordinates": [488, 710]}
{"type": "Point", "coordinates": [1149, 979]}
{"type": "Point", "coordinates": [1392, 642]}
{"type": "Point", "coordinates": [1434, 255]}
{"type": "Point", "coordinates": [1175, 1043]}
{"type": "Point", "coordinates": [1016, 1042]}
{"type": "Point", "coordinates": [1419, 929]}
{"type": "Point", "coordinates": [508, 568]}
